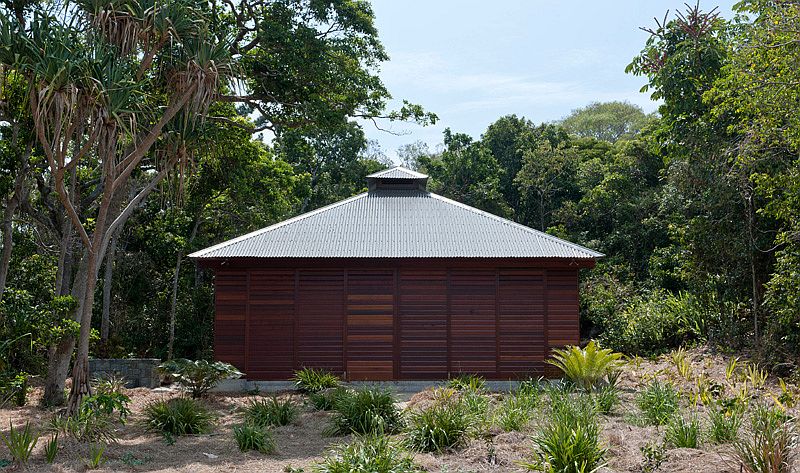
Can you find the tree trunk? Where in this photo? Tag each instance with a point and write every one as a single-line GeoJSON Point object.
{"type": "Point", "coordinates": [80, 369]}
{"type": "Point", "coordinates": [8, 220]}
{"type": "Point", "coordinates": [751, 212]}
{"type": "Point", "coordinates": [173, 308]}
{"type": "Point", "coordinates": [108, 276]}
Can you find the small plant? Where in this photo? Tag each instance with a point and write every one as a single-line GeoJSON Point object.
{"type": "Point", "coordinates": [84, 427]}
{"type": "Point", "coordinates": [467, 382]}
{"type": "Point", "coordinates": [724, 423]}
{"type": "Point", "coordinates": [683, 433]}
{"type": "Point", "coordinates": [20, 443]}
{"type": "Point", "coordinates": [369, 454]}
{"type": "Point", "coordinates": [178, 416]}
{"type": "Point", "coordinates": [198, 377]}
{"type": "Point", "coordinates": [254, 437]}
{"type": "Point", "coordinates": [310, 380]}
{"type": "Point", "coordinates": [787, 397]}
{"type": "Point", "coordinates": [658, 402]}
{"type": "Point", "coordinates": [109, 384]}
{"type": "Point", "coordinates": [730, 367]}
{"type": "Point", "coordinates": [586, 367]}
{"type": "Point", "coordinates": [570, 440]}
{"type": "Point", "coordinates": [365, 411]}
{"type": "Point", "coordinates": [51, 448]}
{"type": "Point", "coordinates": [106, 404]}
{"type": "Point", "coordinates": [130, 459]}
{"type": "Point", "coordinates": [272, 411]}
{"type": "Point", "coordinates": [325, 400]}
{"type": "Point", "coordinates": [681, 363]}
{"type": "Point", "coordinates": [756, 376]}
{"type": "Point", "coordinates": [477, 404]}
{"type": "Point", "coordinates": [516, 411]}
{"type": "Point", "coordinates": [444, 425]}
{"type": "Point", "coordinates": [96, 456]}
{"type": "Point", "coordinates": [770, 445]}
{"type": "Point", "coordinates": [653, 455]}
{"type": "Point", "coordinates": [606, 399]}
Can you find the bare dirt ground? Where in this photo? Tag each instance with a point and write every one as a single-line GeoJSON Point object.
{"type": "Point", "coordinates": [302, 444]}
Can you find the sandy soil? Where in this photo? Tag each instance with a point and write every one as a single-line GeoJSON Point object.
{"type": "Point", "coordinates": [302, 443]}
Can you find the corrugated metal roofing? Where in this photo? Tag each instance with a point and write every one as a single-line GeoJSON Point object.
{"type": "Point", "coordinates": [398, 172]}
{"type": "Point", "coordinates": [397, 224]}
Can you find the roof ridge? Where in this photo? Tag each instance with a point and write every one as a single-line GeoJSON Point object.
{"type": "Point", "coordinates": [413, 174]}
{"type": "Point", "coordinates": [275, 226]}
{"type": "Point", "coordinates": [512, 223]}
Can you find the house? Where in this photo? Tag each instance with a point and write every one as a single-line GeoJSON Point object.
{"type": "Point", "coordinates": [397, 283]}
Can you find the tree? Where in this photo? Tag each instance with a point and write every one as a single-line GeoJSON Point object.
{"type": "Point", "coordinates": [411, 153]}
{"type": "Point", "coordinates": [606, 121]}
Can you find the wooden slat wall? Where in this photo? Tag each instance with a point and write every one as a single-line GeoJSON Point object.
{"type": "Point", "coordinates": [521, 335]}
{"type": "Point", "coordinates": [270, 351]}
{"type": "Point", "coordinates": [370, 325]}
{"type": "Point", "coordinates": [394, 323]}
{"type": "Point", "coordinates": [229, 322]}
{"type": "Point", "coordinates": [473, 330]}
{"type": "Point", "coordinates": [319, 342]}
{"type": "Point", "coordinates": [422, 309]}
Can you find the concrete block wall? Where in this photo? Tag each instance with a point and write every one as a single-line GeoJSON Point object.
{"type": "Point", "coordinates": [139, 372]}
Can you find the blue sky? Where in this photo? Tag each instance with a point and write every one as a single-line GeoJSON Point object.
{"type": "Point", "coordinates": [471, 61]}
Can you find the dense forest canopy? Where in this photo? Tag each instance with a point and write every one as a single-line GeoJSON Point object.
{"type": "Point", "coordinates": [131, 137]}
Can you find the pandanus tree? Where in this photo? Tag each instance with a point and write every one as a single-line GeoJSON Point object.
{"type": "Point", "coordinates": [116, 86]}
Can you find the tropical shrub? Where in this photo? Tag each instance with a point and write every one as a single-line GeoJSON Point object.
{"type": "Point", "coordinates": [658, 402]}
{"type": "Point", "coordinates": [444, 425]}
{"type": "Point", "coordinates": [682, 433]}
{"type": "Point", "coordinates": [570, 439]}
{"type": "Point", "coordinates": [724, 423]}
{"type": "Point", "coordinates": [516, 411]}
{"type": "Point", "coordinates": [586, 367]}
{"type": "Point", "coordinates": [467, 382]}
{"type": "Point", "coordinates": [311, 380]}
{"type": "Point", "coordinates": [20, 443]}
{"type": "Point", "coordinates": [95, 419]}
{"type": "Point", "coordinates": [325, 400]}
{"type": "Point", "coordinates": [14, 389]}
{"type": "Point", "coordinates": [271, 411]}
{"type": "Point", "coordinates": [770, 444]}
{"type": "Point", "coordinates": [369, 454]}
{"type": "Point", "coordinates": [178, 416]}
{"type": "Point", "coordinates": [200, 376]}
{"type": "Point", "coordinates": [605, 399]}
{"type": "Point", "coordinates": [365, 411]}
{"type": "Point", "coordinates": [254, 437]}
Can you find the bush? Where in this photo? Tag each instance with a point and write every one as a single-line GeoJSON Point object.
{"type": "Point", "coordinates": [467, 382]}
{"type": "Point", "coordinates": [587, 367]}
{"type": "Point", "coordinates": [198, 377]}
{"type": "Point", "coordinates": [370, 454]}
{"type": "Point", "coordinates": [310, 380]}
{"type": "Point", "coordinates": [570, 440]}
{"type": "Point", "coordinates": [254, 437]}
{"type": "Point", "coordinates": [682, 433]}
{"type": "Point", "coordinates": [606, 399]}
{"type": "Point", "coordinates": [106, 404]}
{"type": "Point", "coordinates": [516, 411]}
{"type": "Point", "coordinates": [724, 423]}
{"type": "Point", "coordinates": [94, 421]}
{"type": "Point", "coordinates": [444, 425]}
{"type": "Point", "coordinates": [272, 411]}
{"type": "Point", "coordinates": [658, 402]}
{"type": "Point", "coordinates": [178, 416]}
{"type": "Point", "coordinates": [20, 443]}
{"type": "Point", "coordinates": [14, 389]}
{"type": "Point", "coordinates": [365, 411]}
{"type": "Point", "coordinates": [770, 444]}
{"type": "Point", "coordinates": [325, 400]}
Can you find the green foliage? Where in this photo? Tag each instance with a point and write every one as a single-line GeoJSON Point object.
{"type": "Point", "coordinates": [325, 400]}
{"type": "Point", "coordinates": [606, 121]}
{"type": "Point", "coordinates": [605, 399]}
{"type": "Point", "coordinates": [724, 423]}
{"type": "Point", "coordinates": [682, 433]}
{"type": "Point", "coordinates": [51, 449]}
{"type": "Point", "coordinates": [254, 437]}
{"type": "Point", "coordinates": [365, 411]}
{"type": "Point", "coordinates": [14, 389]}
{"type": "Point", "coordinates": [770, 443]}
{"type": "Point", "coordinates": [369, 454]}
{"type": "Point", "coordinates": [96, 417]}
{"type": "Point", "coordinates": [658, 402]}
{"type": "Point", "coordinates": [653, 455]}
{"type": "Point", "coordinates": [569, 441]}
{"type": "Point", "coordinates": [517, 410]}
{"type": "Point", "coordinates": [20, 443]}
{"type": "Point", "coordinates": [178, 416]}
{"type": "Point", "coordinates": [467, 382]}
{"type": "Point", "coordinates": [446, 424]}
{"type": "Point", "coordinates": [272, 411]}
{"type": "Point", "coordinates": [106, 404]}
{"type": "Point", "coordinates": [586, 367]}
{"type": "Point", "coordinates": [311, 380]}
{"type": "Point", "coordinates": [96, 456]}
{"type": "Point", "coordinates": [200, 376]}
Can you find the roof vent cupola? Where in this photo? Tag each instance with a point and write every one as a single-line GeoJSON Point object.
{"type": "Point", "coordinates": [397, 178]}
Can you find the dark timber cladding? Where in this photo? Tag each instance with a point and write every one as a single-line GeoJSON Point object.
{"type": "Point", "coordinates": [396, 283]}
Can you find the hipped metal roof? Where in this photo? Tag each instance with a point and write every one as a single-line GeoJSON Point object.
{"type": "Point", "coordinates": [397, 220]}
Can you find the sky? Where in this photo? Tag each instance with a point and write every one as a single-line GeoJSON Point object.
{"type": "Point", "coordinates": [471, 61]}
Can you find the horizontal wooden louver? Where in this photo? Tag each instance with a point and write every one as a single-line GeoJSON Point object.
{"type": "Point", "coordinates": [320, 320]}
{"type": "Point", "coordinates": [230, 319]}
{"type": "Point", "coordinates": [473, 331]}
{"type": "Point", "coordinates": [521, 331]}
{"type": "Point", "coordinates": [270, 351]}
{"type": "Point", "coordinates": [370, 325]}
{"type": "Point", "coordinates": [422, 308]}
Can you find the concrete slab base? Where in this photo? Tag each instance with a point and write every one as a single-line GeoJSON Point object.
{"type": "Point", "coordinates": [243, 385]}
